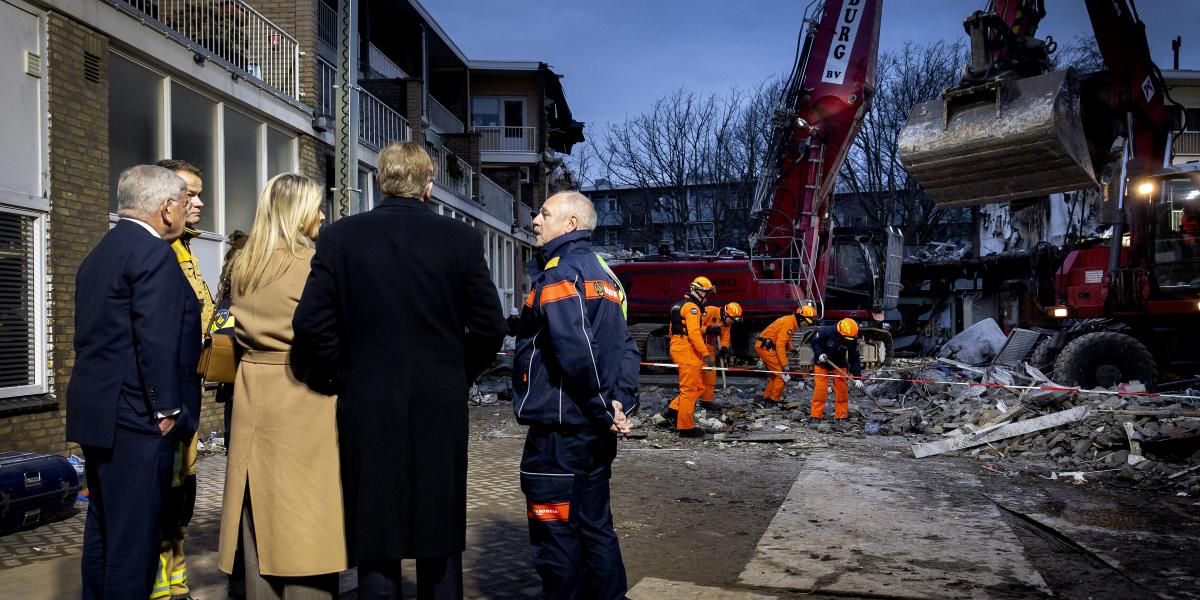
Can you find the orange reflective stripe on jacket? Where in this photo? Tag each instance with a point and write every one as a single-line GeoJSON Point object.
{"type": "Point", "coordinates": [558, 291]}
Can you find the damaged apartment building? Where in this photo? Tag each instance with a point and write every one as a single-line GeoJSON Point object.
{"type": "Point", "coordinates": [244, 90]}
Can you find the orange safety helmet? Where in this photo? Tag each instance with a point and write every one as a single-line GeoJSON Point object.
{"type": "Point", "coordinates": [733, 310]}
{"type": "Point", "coordinates": [703, 284]}
{"type": "Point", "coordinates": [847, 328]}
{"type": "Point", "coordinates": [807, 312]}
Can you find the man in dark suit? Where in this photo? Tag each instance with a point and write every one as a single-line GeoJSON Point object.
{"type": "Point", "coordinates": [401, 305]}
{"type": "Point", "coordinates": [133, 392]}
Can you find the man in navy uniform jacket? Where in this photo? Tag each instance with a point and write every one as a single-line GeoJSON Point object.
{"type": "Point", "coordinates": [133, 392]}
{"type": "Point", "coordinates": [575, 377]}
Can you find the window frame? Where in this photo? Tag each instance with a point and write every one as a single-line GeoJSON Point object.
{"type": "Point", "coordinates": [39, 317]}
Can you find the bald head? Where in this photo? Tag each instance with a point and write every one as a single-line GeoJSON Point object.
{"type": "Point", "coordinates": [564, 213]}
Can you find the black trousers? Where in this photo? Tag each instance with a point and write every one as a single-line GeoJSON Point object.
{"type": "Point", "coordinates": [437, 579]}
{"type": "Point", "coordinates": [126, 485]}
{"type": "Point", "coordinates": [564, 475]}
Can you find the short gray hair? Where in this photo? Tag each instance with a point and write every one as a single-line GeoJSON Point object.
{"type": "Point", "coordinates": [142, 189]}
{"type": "Point", "coordinates": [575, 203]}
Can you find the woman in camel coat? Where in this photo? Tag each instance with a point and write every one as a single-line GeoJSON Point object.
{"type": "Point", "coordinates": [282, 482]}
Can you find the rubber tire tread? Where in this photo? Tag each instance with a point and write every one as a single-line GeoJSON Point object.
{"type": "Point", "coordinates": [1044, 355]}
{"type": "Point", "coordinates": [1077, 354]}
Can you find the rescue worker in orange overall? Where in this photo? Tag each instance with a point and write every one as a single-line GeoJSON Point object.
{"type": "Point", "coordinates": [834, 346]}
{"type": "Point", "coordinates": [775, 342]}
{"type": "Point", "coordinates": [718, 321]}
{"type": "Point", "coordinates": [689, 352]}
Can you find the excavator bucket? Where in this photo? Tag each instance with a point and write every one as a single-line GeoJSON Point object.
{"type": "Point", "coordinates": [999, 141]}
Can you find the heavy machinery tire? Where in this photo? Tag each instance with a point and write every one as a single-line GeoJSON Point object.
{"type": "Point", "coordinates": [1104, 359]}
{"type": "Point", "coordinates": [1043, 356]}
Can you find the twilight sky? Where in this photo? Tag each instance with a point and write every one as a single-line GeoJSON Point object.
{"type": "Point", "coordinates": [619, 56]}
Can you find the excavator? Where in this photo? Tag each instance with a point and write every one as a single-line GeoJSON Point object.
{"type": "Point", "coordinates": [1123, 307]}
{"type": "Point", "coordinates": [796, 255]}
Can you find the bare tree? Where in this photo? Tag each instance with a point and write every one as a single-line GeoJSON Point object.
{"type": "Point", "coordinates": [696, 156]}
{"type": "Point", "coordinates": [872, 174]}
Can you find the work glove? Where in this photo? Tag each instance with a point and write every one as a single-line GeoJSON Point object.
{"type": "Point", "coordinates": [714, 330]}
{"type": "Point", "coordinates": [786, 378]}
{"type": "Point", "coordinates": [858, 383]}
{"type": "Point", "coordinates": [708, 361]}
{"type": "Point", "coordinates": [823, 359]}
{"type": "Point", "coordinates": [723, 354]}
{"type": "Point", "coordinates": [769, 344]}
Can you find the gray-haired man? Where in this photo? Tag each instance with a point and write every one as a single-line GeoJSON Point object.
{"type": "Point", "coordinates": [133, 393]}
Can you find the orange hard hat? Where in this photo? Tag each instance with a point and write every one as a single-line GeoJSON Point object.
{"type": "Point", "coordinates": [703, 284]}
{"type": "Point", "coordinates": [847, 328]}
{"type": "Point", "coordinates": [807, 311]}
{"type": "Point", "coordinates": [733, 310]}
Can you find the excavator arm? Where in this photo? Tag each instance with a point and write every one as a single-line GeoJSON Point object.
{"type": "Point", "coordinates": [819, 112]}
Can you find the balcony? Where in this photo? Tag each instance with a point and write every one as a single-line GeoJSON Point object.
{"type": "Point", "coordinates": [378, 124]}
{"type": "Point", "coordinates": [496, 200]}
{"type": "Point", "coordinates": [453, 173]}
{"type": "Point", "coordinates": [441, 119]}
{"type": "Point", "coordinates": [507, 139]}
{"type": "Point", "coordinates": [230, 33]}
{"type": "Point", "coordinates": [1188, 143]}
{"type": "Point", "coordinates": [525, 216]}
{"type": "Point", "coordinates": [381, 64]}
{"type": "Point", "coordinates": [327, 24]}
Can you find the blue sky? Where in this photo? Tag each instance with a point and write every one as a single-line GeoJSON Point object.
{"type": "Point", "coordinates": [618, 56]}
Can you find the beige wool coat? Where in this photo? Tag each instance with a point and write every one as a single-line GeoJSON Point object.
{"type": "Point", "coordinates": [283, 441]}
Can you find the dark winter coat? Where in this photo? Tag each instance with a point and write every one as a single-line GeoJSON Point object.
{"type": "Point", "coordinates": [398, 317]}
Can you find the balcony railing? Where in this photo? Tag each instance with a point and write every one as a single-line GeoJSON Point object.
{"type": "Point", "coordinates": [228, 32]}
{"type": "Point", "coordinates": [496, 200]}
{"type": "Point", "coordinates": [1188, 143]}
{"type": "Point", "coordinates": [525, 216]}
{"type": "Point", "coordinates": [327, 24]}
{"type": "Point", "coordinates": [378, 125]}
{"type": "Point", "coordinates": [507, 139]}
{"type": "Point", "coordinates": [380, 63]}
{"type": "Point", "coordinates": [453, 173]}
{"type": "Point", "coordinates": [442, 119]}
{"type": "Point", "coordinates": [326, 78]}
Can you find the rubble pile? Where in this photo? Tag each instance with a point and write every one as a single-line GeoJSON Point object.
{"type": "Point", "coordinates": [1151, 441]}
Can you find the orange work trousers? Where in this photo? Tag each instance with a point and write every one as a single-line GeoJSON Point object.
{"type": "Point", "coordinates": [710, 379]}
{"type": "Point", "coordinates": [691, 382]}
{"type": "Point", "coordinates": [770, 358]}
{"type": "Point", "coordinates": [841, 396]}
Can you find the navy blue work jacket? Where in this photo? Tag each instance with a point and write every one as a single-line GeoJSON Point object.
{"type": "Point", "coordinates": [841, 352]}
{"type": "Point", "coordinates": [574, 354]}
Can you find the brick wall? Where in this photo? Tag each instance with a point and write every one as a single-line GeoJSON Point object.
{"type": "Point", "coordinates": [78, 214]}
{"type": "Point", "coordinates": [299, 19]}
{"type": "Point", "coordinates": [466, 146]}
{"type": "Point", "coordinates": [412, 110]}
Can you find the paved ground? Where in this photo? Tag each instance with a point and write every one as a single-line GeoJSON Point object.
{"type": "Point", "coordinates": [830, 515]}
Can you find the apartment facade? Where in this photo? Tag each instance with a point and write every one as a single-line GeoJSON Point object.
{"type": "Point", "coordinates": [243, 89]}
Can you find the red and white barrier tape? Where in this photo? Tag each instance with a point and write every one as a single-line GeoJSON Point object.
{"type": "Point", "coordinates": [1043, 388]}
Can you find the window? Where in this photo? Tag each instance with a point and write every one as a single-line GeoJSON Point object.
{"type": "Point", "coordinates": [22, 312]}
{"type": "Point", "coordinates": [241, 170]}
{"type": "Point", "coordinates": [193, 138]}
{"type": "Point", "coordinates": [134, 118]}
{"type": "Point", "coordinates": [281, 153]}
{"type": "Point", "coordinates": [485, 112]}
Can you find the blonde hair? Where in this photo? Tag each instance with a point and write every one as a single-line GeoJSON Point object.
{"type": "Point", "coordinates": [404, 170]}
{"type": "Point", "coordinates": [288, 207]}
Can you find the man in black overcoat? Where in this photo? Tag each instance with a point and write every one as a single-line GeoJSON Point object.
{"type": "Point", "coordinates": [398, 317]}
{"type": "Point", "coordinates": [134, 393]}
